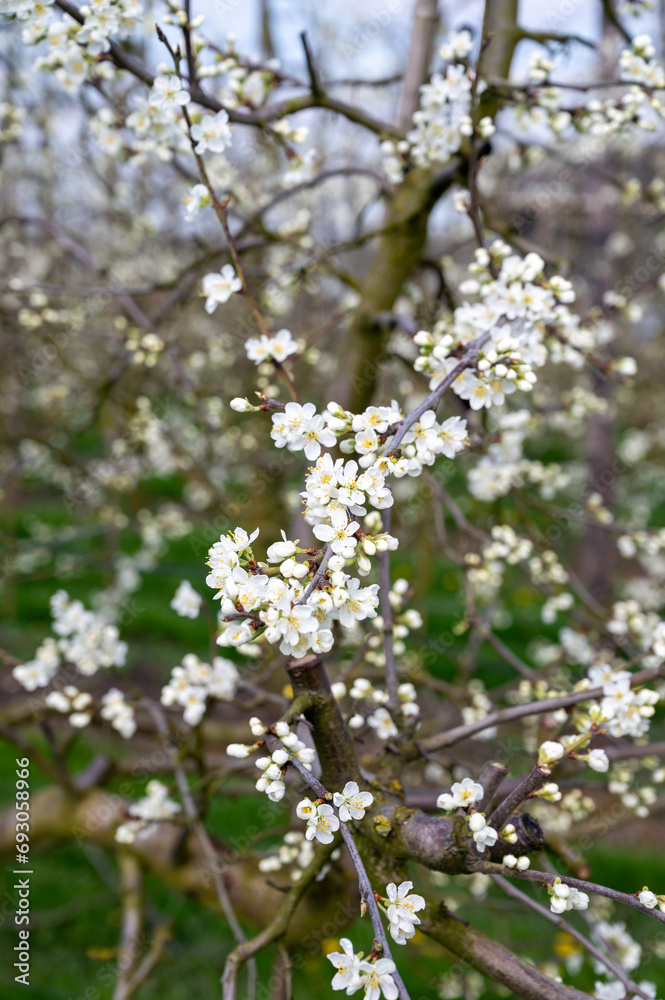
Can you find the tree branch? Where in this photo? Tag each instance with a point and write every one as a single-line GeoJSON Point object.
{"type": "Point", "coordinates": [547, 878]}
{"type": "Point", "coordinates": [364, 884]}
{"type": "Point", "coordinates": [563, 925]}
{"type": "Point", "coordinates": [501, 715]}
{"type": "Point", "coordinates": [533, 780]}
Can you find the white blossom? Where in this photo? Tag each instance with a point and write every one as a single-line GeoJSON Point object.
{"type": "Point", "coordinates": [377, 980]}
{"type": "Point", "coordinates": [186, 602]}
{"type": "Point", "coordinates": [382, 724]}
{"type": "Point", "coordinates": [347, 964]}
{"type": "Point", "coordinates": [279, 348]}
{"type": "Point", "coordinates": [218, 288]}
{"type": "Point", "coordinates": [212, 133]}
{"type": "Point", "coordinates": [168, 92]}
{"type": "Point", "coordinates": [462, 795]}
{"type": "Point", "coordinates": [351, 802]}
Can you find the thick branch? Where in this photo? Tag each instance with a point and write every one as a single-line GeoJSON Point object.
{"type": "Point", "coordinates": [333, 742]}
{"type": "Point", "coordinates": [496, 961]}
{"type": "Point", "coordinates": [423, 33]}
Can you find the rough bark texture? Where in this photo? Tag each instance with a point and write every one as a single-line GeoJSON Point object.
{"type": "Point", "coordinates": [338, 761]}
{"type": "Point", "coordinates": [495, 961]}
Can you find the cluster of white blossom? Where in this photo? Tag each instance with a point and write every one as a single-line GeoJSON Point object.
{"type": "Point", "coordinates": [157, 131]}
{"type": "Point", "coordinates": [116, 710]}
{"type": "Point", "coordinates": [296, 852]}
{"type": "Point", "coordinates": [641, 104]}
{"type": "Point", "coordinates": [299, 427]}
{"type": "Point", "coordinates": [565, 897]}
{"type": "Point", "coordinates": [279, 606]}
{"type": "Point", "coordinates": [627, 951]}
{"type": "Point", "coordinates": [374, 429]}
{"type": "Point", "coordinates": [643, 544]}
{"type": "Point", "coordinates": [323, 822]}
{"type": "Point", "coordinates": [439, 123]}
{"type": "Point", "coordinates": [480, 706]}
{"type": "Point", "coordinates": [194, 682]}
{"type": "Point", "coordinates": [211, 133]}
{"type": "Point", "coordinates": [41, 670]}
{"type": "Point", "coordinates": [155, 807]}
{"type": "Point", "coordinates": [276, 348]}
{"type": "Point", "coordinates": [378, 719]}
{"type": "Point", "coordinates": [72, 703]}
{"type": "Point", "coordinates": [73, 48]}
{"type": "Point", "coordinates": [483, 834]}
{"type": "Point", "coordinates": [355, 973]}
{"type": "Point", "coordinates": [625, 711]}
{"type": "Point", "coordinates": [639, 66]}
{"type": "Point", "coordinates": [521, 309]}
{"type": "Point", "coordinates": [273, 768]}
{"type": "Point", "coordinates": [462, 795]}
{"type": "Point", "coordinates": [86, 640]}
{"type": "Point", "coordinates": [403, 905]}
{"type": "Point", "coordinates": [615, 990]}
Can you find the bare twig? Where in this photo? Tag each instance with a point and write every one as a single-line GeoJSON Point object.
{"type": "Point", "coordinates": [131, 887]}
{"type": "Point", "coordinates": [278, 926]}
{"type": "Point", "coordinates": [257, 118]}
{"type": "Point", "coordinates": [314, 82]}
{"type": "Point", "coordinates": [554, 918]}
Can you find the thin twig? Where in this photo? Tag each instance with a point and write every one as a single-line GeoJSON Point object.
{"type": "Point", "coordinates": [387, 616]}
{"type": "Point", "coordinates": [563, 925]}
{"type": "Point", "coordinates": [432, 401]}
{"type": "Point", "coordinates": [276, 928]}
{"type": "Point", "coordinates": [160, 937]}
{"type": "Point", "coordinates": [460, 733]}
{"type": "Point", "coordinates": [131, 887]}
{"type": "Point", "coordinates": [364, 884]}
{"type": "Point", "coordinates": [548, 878]}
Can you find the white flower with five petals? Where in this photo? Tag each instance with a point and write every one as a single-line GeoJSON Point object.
{"type": "Point", "coordinates": [351, 802]}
